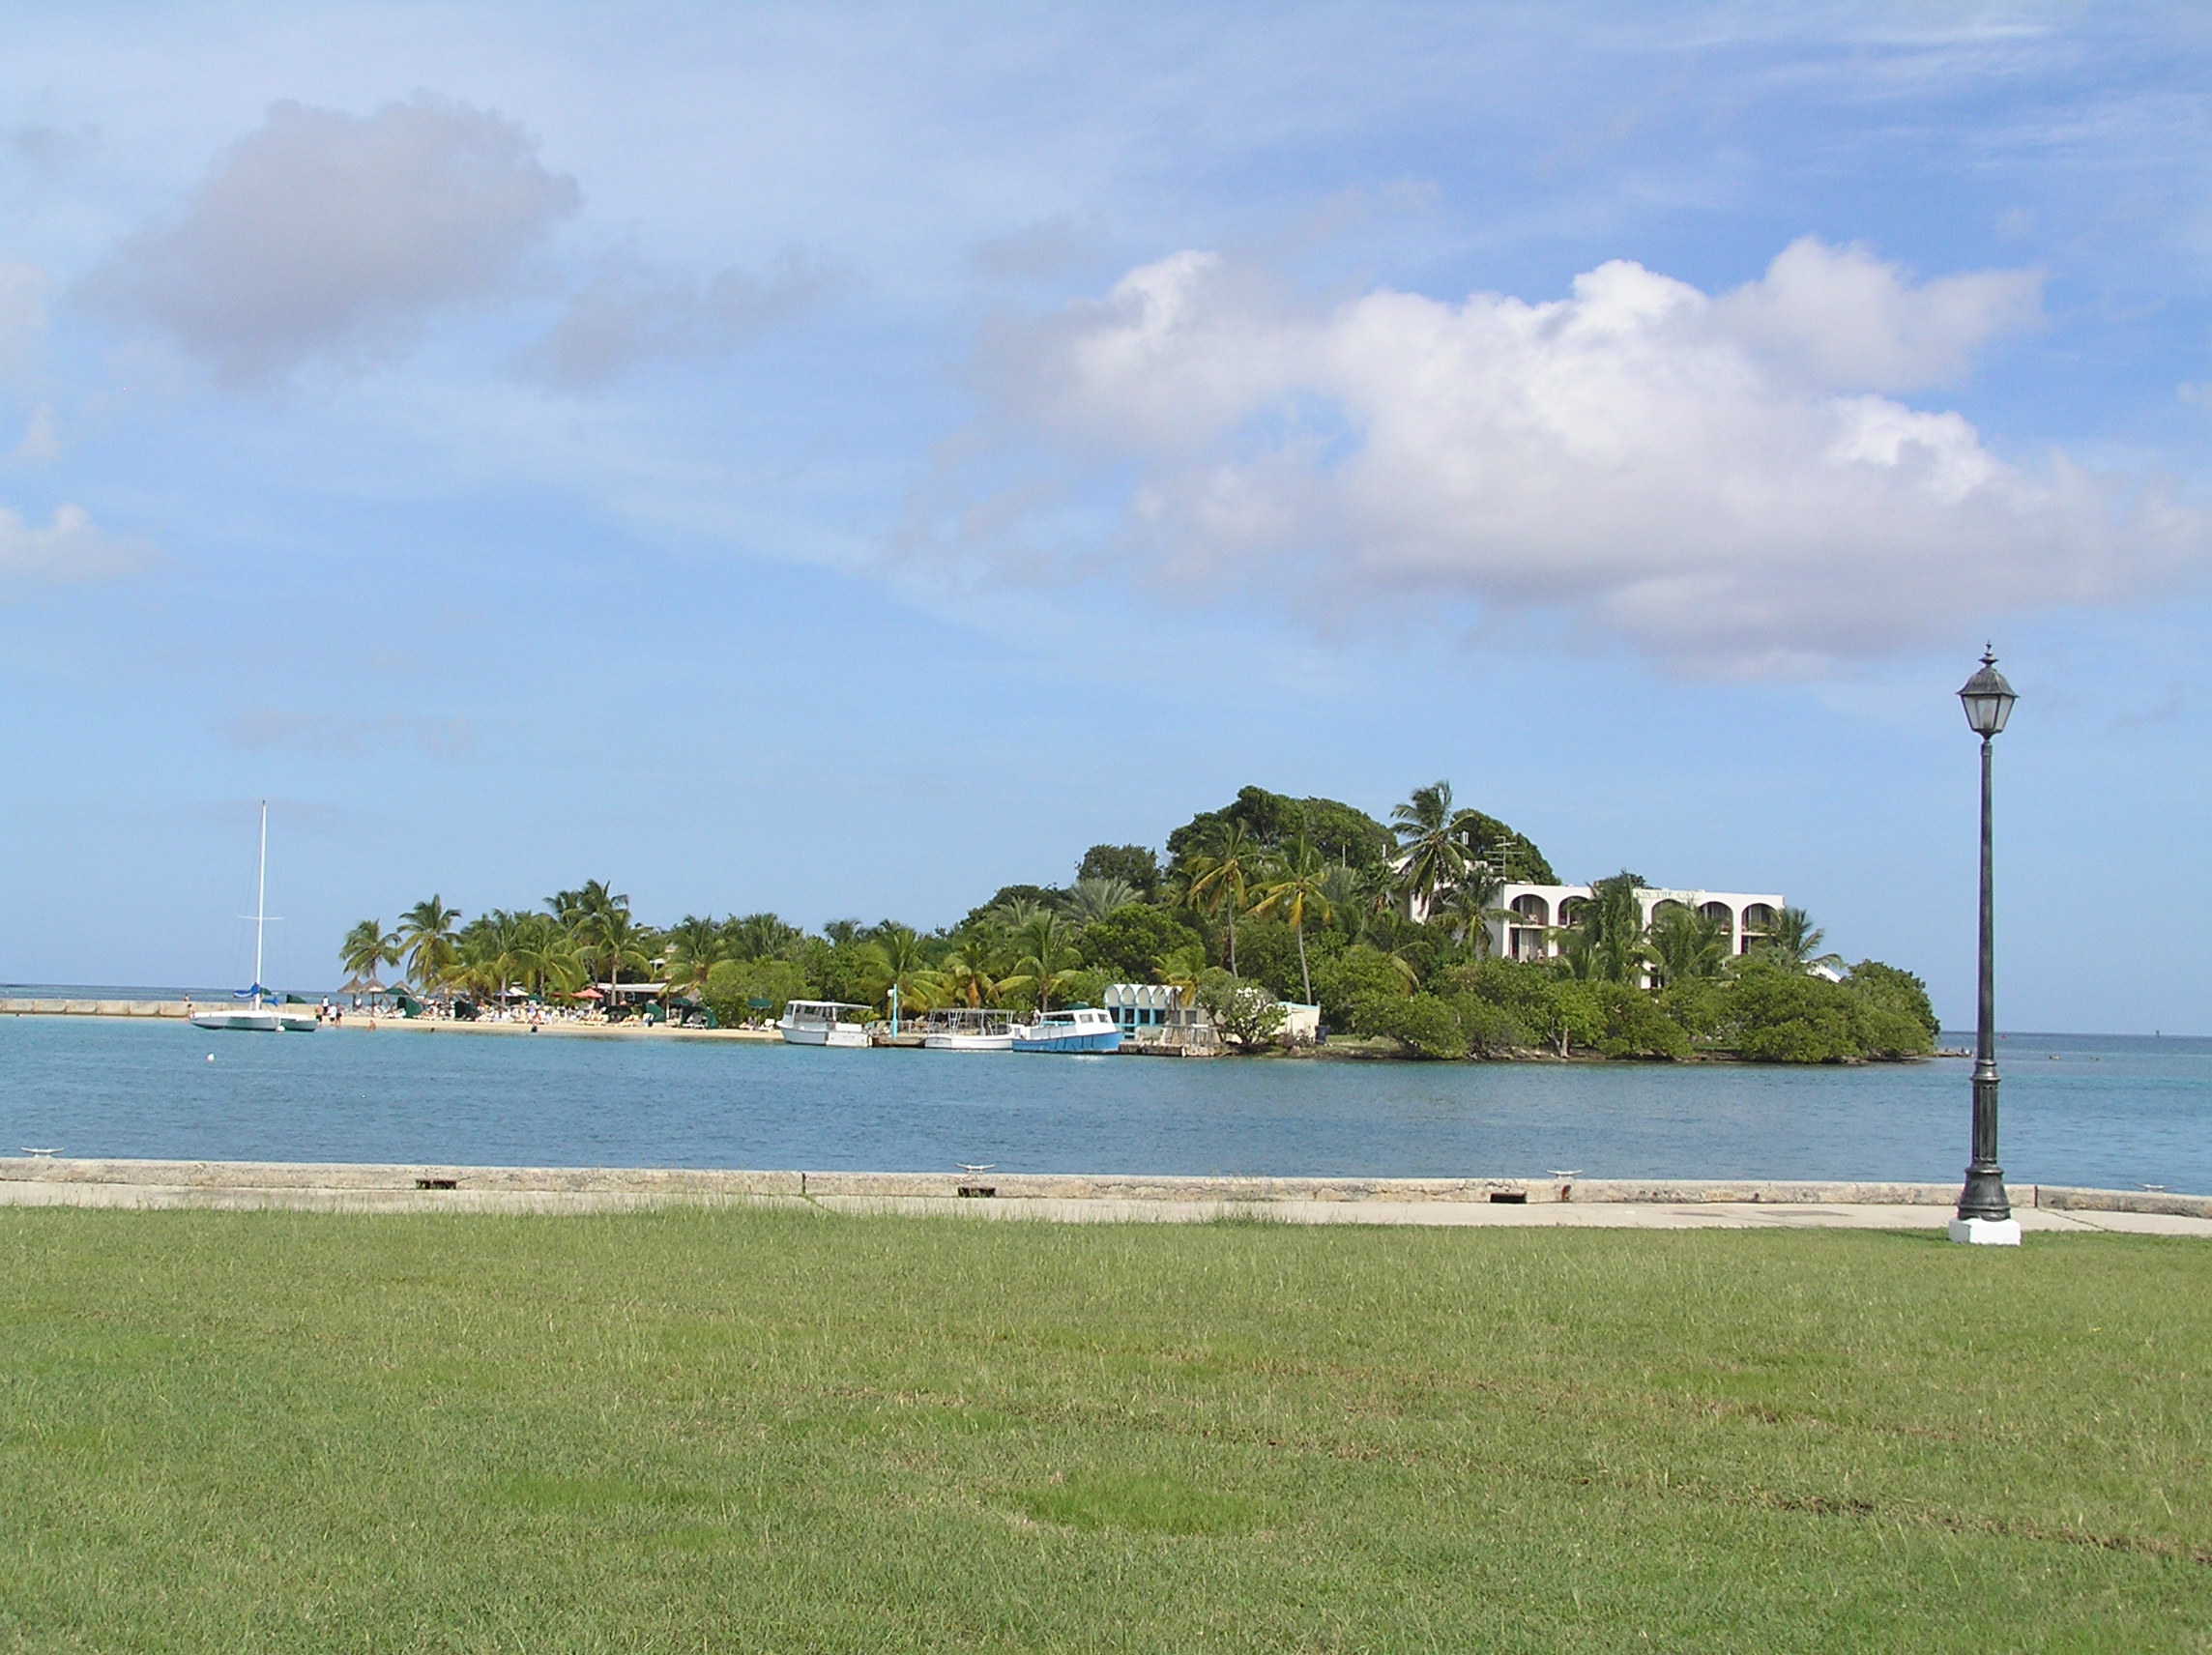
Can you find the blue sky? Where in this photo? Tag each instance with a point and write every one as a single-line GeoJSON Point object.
{"type": "Point", "coordinates": [838, 459]}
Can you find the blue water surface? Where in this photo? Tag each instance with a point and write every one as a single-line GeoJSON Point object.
{"type": "Point", "coordinates": [2109, 1111]}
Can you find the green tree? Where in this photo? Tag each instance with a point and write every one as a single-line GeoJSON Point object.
{"type": "Point", "coordinates": [1488, 1027]}
{"type": "Point", "coordinates": [1094, 898]}
{"type": "Point", "coordinates": [1631, 1024]}
{"type": "Point", "coordinates": [1342, 833]}
{"type": "Point", "coordinates": [1793, 942]}
{"type": "Point", "coordinates": [426, 943]}
{"type": "Point", "coordinates": [694, 945]}
{"type": "Point", "coordinates": [1294, 890]}
{"type": "Point", "coordinates": [611, 942]}
{"type": "Point", "coordinates": [1245, 1014]}
{"type": "Point", "coordinates": [1353, 974]}
{"type": "Point", "coordinates": [965, 974]}
{"type": "Point", "coordinates": [594, 896]}
{"type": "Point", "coordinates": [1781, 1015]}
{"type": "Point", "coordinates": [1900, 992]}
{"type": "Point", "coordinates": [1431, 844]}
{"type": "Point", "coordinates": [1044, 958]}
{"type": "Point", "coordinates": [761, 936]}
{"type": "Point", "coordinates": [1468, 910]}
{"type": "Point", "coordinates": [1136, 866]}
{"type": "Point", "coordinates": [1422, 1023]}
{"type": "Point", "coordinates": [896, 957]}
{"type": "Point", "coordinates": [1128, 941]}
{"type": "Point", "coordinates": [1221, 873]}
{"type": "Point", "coordinates": [733, 985]}
{"type": "Point", "coordinates": [1570, 1014]}
{"type": "Point", "coordinates": [366, 947]}
{"type": "Point", "coordinates": [1612, 923]}
{"type": "Point", "coordinates": [545, 957]}
{"type": "Point", "coordinates": [1686, 946]}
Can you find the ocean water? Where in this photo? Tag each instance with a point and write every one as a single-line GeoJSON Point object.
{"type": "Point", "coordinates": [2108, 1110]}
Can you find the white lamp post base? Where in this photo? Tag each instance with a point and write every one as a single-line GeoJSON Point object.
{"type": "Point", "coordinates": [1986, 1231]}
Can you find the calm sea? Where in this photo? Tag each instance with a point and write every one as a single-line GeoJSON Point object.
{"type": "Point", "coordinates": [2108, 1110]}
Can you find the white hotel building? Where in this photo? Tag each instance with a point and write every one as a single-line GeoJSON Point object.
{"type": "Point", "coordinates": [1744, 916]}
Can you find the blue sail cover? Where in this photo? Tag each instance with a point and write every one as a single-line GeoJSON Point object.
{"type": "Point", "coordinates": [250, 993]}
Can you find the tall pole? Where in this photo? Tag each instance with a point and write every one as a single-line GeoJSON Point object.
{"type": "Point", "coordinates": [1984, 1195]}
{"type": "Point", "coordinates": [260, 902]}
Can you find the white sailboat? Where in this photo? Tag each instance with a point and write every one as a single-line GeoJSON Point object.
{"type": "Point", "coordinates": [258, 1017]}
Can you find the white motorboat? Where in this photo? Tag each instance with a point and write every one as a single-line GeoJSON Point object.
{"type": "Point", "coordinates": [821, 1023]}
{"type": "Point", "coordinates": [967, 1029]}
{"type": "Point", "coordinates": [1081, 1028]}
{"type": "Point", "coordinates": [264, 1012]}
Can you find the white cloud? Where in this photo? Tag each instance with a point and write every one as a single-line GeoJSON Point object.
{"type": "Point", "coordinates": [1844, 318]}
{"type": "Point", "coordinates": [327, 735]}
{"type": "Point", "coordinates": [42, 445]}
{"type": "Point", "coordinates": [324, 235]}
{"type": "Point", "coordinates": [625, 319]}
{"type": "Point", "coordinates": [69, 549]}
{"type": "Point", "coordinates": [22, 316]}
{"type": "Point", "coordinates": [1717, 479]}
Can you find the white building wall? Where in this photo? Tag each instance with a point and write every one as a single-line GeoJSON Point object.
{"type": "Point", "coordinates": [1531, 938]}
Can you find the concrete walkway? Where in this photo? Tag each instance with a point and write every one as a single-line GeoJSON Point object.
{"type": "Point", "coordinates": [1604, 1202]}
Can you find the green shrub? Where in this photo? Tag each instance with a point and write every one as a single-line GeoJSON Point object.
{"type": "Point", "coordinates": [732, 985]}
{"type": "Point", "coordinates": [1489, 1027]}
{"type": "Point", "coordinates": [1341, 979]}
{"type": "Point", "coordinates": [1128, 942]}
{"type": "Point", "coordinates": [1268, 952]}
{"type": "Point", "coordinates": [1245, 1014]}
{"type": "Point", "coordinates": [1782, 1017]}
{"type": "Point", "coordinates": [1889, 992]}
{"type": "Point", "coordinates": [1634, 1026]}
{"type": "Point", "coordinates": [1422, 1023]}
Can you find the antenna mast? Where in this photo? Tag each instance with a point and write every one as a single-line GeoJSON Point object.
{"type": "Point", "coordinates": [260, 903]}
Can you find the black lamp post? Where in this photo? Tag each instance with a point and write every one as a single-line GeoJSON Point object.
{"type": "Point", "coordinates": [1984, 1213]}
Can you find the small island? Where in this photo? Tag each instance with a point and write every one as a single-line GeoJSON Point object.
{"type": "Point", "coordinates": [1282, 926]}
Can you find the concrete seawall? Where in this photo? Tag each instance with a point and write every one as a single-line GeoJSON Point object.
{"type": "Point", "coordinates": [1613, 1202]}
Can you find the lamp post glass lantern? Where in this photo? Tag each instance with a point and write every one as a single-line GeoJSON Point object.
{"type": "Point", "coordinates": [1985, 1212]}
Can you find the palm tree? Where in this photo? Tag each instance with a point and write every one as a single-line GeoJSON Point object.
{"type": "Point", "coordinates": [366, 947]}
{"type": "Point", "coordinates": [610, 940]}
{"type": "Point", "coordinates": [758, 937]}
{"type": "Point", "coordinates": [1467, 909]}
{"type": "Point", "coordinates": [1294, 888]}
{"type": "Point", "coordinates": [694, 945]}
{"type": "Point", "coordinates": [1221, 876]}
{"type": "Point", "coordinates": [1577, 951]}
{"type": "Point", "coordinates": [1432, 839]}
{"type": "Point", "coordinates": [1790, 942]}
{"type": "Point", "coordinates": [545, 957]}
{"type": "Point", "coordinates": [1043, 958]}
{"type": "Point", "coordinates": [427, 941]}
{"type": "Point", "coordinates": [1613, 922]}
{"type": "Point", "coordinates": [1181, 970]}
{"type": "Point", "coordinates": [573, 907]}
{"type": "Point", "coordinates": [1685, 944]}
{"type": "Point", "coordinates": [966, 976]}
{"type": "Point", "coordinates": [895, 957]}
{"type": "Point", "coordinates": [1089, 899]}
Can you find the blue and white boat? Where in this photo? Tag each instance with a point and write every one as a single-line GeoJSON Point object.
{"type": "Point", "coordinates": [1081, 1029]}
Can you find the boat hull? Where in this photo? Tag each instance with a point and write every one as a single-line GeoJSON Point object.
{"type": "Point", "coordinates": [238, 1021]}
{"type": "Point", "coordinates": [844, 1034]}
{"type": "Point", "coordinates": [968, 1043]}
{"type": "Point", "coordinates": [1086, 1040]}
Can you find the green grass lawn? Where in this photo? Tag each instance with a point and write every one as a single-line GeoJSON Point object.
{"type": "Point", "coordinates": [780, 1431]}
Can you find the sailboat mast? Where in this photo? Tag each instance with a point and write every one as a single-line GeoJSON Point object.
{"type": "Point", "coordinates": [260, 903]}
